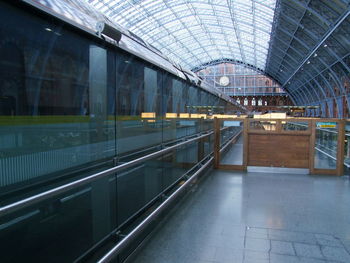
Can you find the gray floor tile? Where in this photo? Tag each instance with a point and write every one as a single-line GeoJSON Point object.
{"type": "Point", "coordinates": [312, 260]}
{"type": "Point", "coordinates": [232, 242]}
{"type": "Point", "coordinates": [282, 247]}
{"type": "Point", "coordinates": [256, 232]}
{"type": "Point", "coordinates": [275, 258]}
{"type": "Point", "coordinates": [328, 240]}
{"type": "Point", "coordinates": [212, 220]}
{"type": "Point", "coordinates": [223, 255]}
{"type": "Point", "coordinates": [346, 244]}
{"type": "Point", "coordinates": [234, 231]}
{"type": "Point", "coordinates": [256, 255]}
{"type": "Point", "coordinates": [306, 250]}
{"type": "Point", "coordinates": [246, 260]}
{"type": "Point", "coordinates": [257, 244]}
{"type": "Point", "coordinates": [292, 236]}
{"type": "Point", "coordinates": [336, 253]}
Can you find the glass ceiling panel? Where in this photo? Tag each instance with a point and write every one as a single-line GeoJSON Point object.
{"type": "Point", "coordinates": [196, 32]}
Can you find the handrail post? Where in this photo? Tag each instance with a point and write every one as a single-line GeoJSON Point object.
{"type": "Point", "coordinates": [312, 147]}
{"type": "Point", "coordinates": [246, 124]}
{"type": "Point", "coordinates": [340, 148]}
{"type": "Point", "coordinates": [216, 142]}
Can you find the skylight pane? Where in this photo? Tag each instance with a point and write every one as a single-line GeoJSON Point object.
{"type": "Point", "coordinates": [193, 32]}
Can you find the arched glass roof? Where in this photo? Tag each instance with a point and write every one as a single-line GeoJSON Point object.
{"type": "Point", "coordinates": [195, 32]}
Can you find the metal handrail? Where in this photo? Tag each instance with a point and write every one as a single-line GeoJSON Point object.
{"type": "Point", "coordinates": [149, 219]}
{"type": "Point", "coordinates": [318, 129]}
{"type": "Point", "coordinates": [230, 141]}
{"type": "Point", "coordinates": [4, 210]}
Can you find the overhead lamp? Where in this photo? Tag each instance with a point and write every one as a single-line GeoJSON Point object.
{"type": "Point", "coordinates": [325, 45]}
{"type": "Point", "coordinates": [308, 62]}
{"type": "Point", "coordinates": [315, 55]}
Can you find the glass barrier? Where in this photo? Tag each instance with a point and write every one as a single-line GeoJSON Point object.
{"type": "Point", "coordinates": [326, 144]}
{"type": "Point", "coordinates": [77, 220]}
{"type": "Point", "coordinates": [81, 218]}
{"type": "Point", "coordinates": [347, 149]}
{"type": "Point", "coordinates": [295, 126]}
{"type": "Point", "coordinates": [33, 149]}
{"type": "Point", "coordinates": [263, 125]}
{"type": "Point", "coordinates": [232, 141]}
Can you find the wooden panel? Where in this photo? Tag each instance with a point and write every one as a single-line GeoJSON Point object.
{"type": "Point", "coordinates": [245, 142]}
{"type": "Point", "coordinates": [278, 150]}
{"type": "Point", "coordinates": [312, 147]}
{"type": "Point", "coordinates": [230, 167]}
{"type": "Point", "coordinates": [341, 146]}
{"type": "Point", "coordinates": [216, 142]}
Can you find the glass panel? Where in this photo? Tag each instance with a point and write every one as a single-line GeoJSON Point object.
{"type": "Point", "coordinates": [137, 186]}
{"type": "Point", "coordinates": [69, 107]}
{"type": "Point", "coordinates": [56, 101]}
{"type": "Point", "coordinates": [178, 162]}
{"type": "Point", "coordinates": [326, 143]}
{"type": "Point", "coordinates": [347, 149]}
{"type": "Point", "coordinates": [77, 219]}
{"type": "Point", "coordinates": [295, 126]}
{"type": "Point", "coordinates": [139, 126]}
{"type": "Point", "coordinates": [262, 125]}
{"type": "Point", "coordinates": [233, 153]}
{"type": "Point", "coordinates": [208, 145]}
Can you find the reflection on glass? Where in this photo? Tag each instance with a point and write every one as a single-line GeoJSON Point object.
{"type": "Point", "coordinates": [347, 149]}
{"type": "Point", "coordinates": [294, 126]}
{"type": "Point", "coordinates": [326, 143]}
{"type": "Point", "coordinates": [263, 125]}
{"type": "Point", "coordinates": [70, 107]}
{"type": "Point", "coordinates": [231, 133]}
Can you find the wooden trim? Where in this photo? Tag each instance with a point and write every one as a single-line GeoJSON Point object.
{"type": "Point", "coordinates": [216, 142]}
{"type": "Point", "coordinates": [279, 126]}
{"type": "Point", "coordinates": [312, 147]}
{"type": "Point", "coordinates": [303, 133]}
{"type": "Point", "coordinates": [325, 172]}
{"type": "Point", "coordinates": [245, 142]}
{"type": "Point", "coordinates": [229, 167]}
{"type": "Point", "coordinates": [340, 148]}
{"type": "Point", "coordinates": [279, 129]}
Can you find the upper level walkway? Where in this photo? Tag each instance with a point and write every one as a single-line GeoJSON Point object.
{"type": "Point", "coordinates": [102, 213]}
{"type": "Point", "coordinates": [256, 218]}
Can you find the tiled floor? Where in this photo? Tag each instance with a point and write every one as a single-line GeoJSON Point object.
{"type": "Point", "coordinates": [234, 155]}
{"type": "Point", "coordinates": [257, 218]}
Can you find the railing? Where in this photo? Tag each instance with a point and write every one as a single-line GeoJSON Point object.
{"type": "Point", "coordinates": [58, 190]}
{"type": "Point", "coordinates": [222, 136]}
{"type": "Point", "coordinates": [47, 200]}
{"type": "Point", "coordinates": [110, 255]}
{"type": "Point", "coordinates": [327, 142]}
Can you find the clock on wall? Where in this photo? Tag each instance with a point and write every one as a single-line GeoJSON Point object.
{"type": "Point", "coordinates": [224, 81]}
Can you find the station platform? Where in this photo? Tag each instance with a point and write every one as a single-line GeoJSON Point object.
{"type": "Point", "coordinates": [256, 218]}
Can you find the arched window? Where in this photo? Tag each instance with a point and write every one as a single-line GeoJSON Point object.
{"type": "Point", "coordinates": [245, 101]}
{"type": "Point", "coordinates": [253, 102]}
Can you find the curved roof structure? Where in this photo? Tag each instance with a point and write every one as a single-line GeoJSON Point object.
{"type": "Point", "coordinates": [196, 32]}
{"type": "Point", "coordinates": [302, 44]}
{"type": "Point", "coordinates": [309, 51]}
